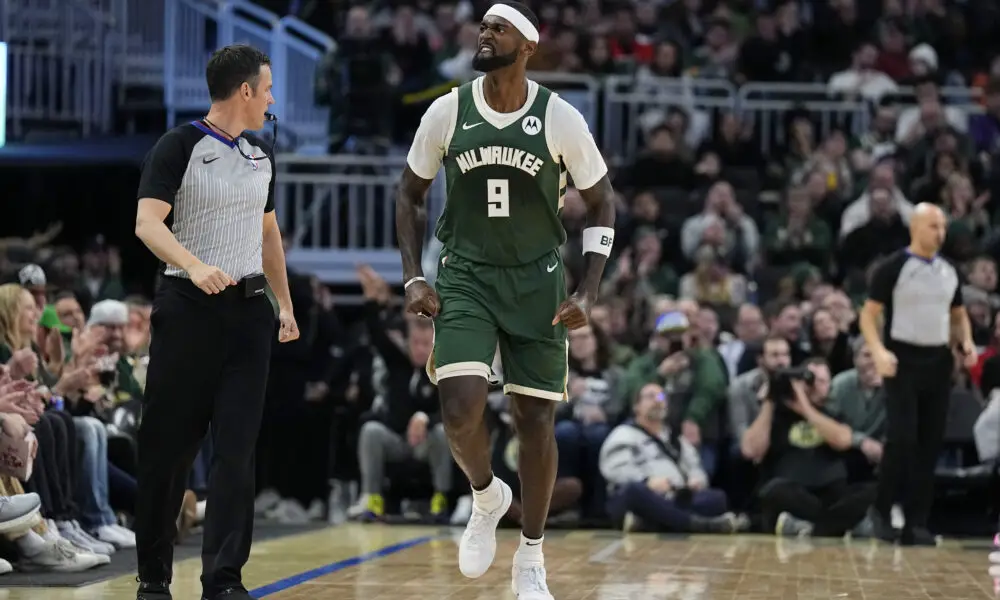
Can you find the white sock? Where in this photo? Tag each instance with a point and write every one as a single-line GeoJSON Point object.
{"type": "Point", "coordinates": [200, 510]}
{"type": "Point", "coordinates": [489, 498]}
{"type": "Point", "coordinates": [530, 550]}
{"type": "Point", "coordinates": [30, 544]}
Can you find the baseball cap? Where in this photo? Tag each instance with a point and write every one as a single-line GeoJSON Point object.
{"type": "Point", "coordinates": [31, 276]}
{"type": "Point", "coordinates": [672, 322]}
{"type": "Point", "coordinates": [108, 312]}
{"type": "Point", "coordinates": [50, 320]}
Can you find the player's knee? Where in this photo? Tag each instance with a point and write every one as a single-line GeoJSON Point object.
{"type": "Point", "coordinates": [463, 400]}
{"type": "Point", "coordinates": [533, 415]}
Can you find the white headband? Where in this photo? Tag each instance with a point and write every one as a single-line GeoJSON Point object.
{"type": "Point", "coordinates": [519, 21]}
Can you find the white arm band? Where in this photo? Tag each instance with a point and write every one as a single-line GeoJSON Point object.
{"type": "Point", "coordinates": [599, 240]}
{"type": "Point", "coordinates": [412, 281]}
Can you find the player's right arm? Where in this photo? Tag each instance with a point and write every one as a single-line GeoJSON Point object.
{"type": "Point", "coordinates": [422, 164]}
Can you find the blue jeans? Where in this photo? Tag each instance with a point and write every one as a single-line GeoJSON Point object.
{"type": "Point", "coordinates": [92, 485]}
{"type": "Point", "coordinates": [662, 513]}
{"type": "Point", "coordinates": [579, 456]}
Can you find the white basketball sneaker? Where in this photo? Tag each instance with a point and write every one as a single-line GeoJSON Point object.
{"type": "Point", "coordinates": [478, 547]}
{"type": "Point", "coordinates": [527, 581]}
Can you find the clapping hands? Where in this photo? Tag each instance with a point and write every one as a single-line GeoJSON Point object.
{"type": "Point", "coordinates": [21, 397]}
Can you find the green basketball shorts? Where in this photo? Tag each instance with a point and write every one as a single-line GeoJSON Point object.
{"type": "Point", "coordinates": [485, 308]}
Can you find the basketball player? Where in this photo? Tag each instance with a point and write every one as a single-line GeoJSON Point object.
{"type": "Point", "coordinates": [506, 144]}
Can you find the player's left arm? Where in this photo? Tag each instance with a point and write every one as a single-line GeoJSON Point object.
{"type": "Point", "coordinates": [572, 140]}
{"type": "Point", "coordinates": [598, 235]}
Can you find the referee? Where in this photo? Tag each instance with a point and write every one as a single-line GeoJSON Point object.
{"type": "Point", "coordinates": [919, 296]}
{"type": "Point", "coordinates": [211, 323]}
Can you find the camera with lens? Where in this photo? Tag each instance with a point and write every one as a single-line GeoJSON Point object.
{"type": "Point", "coordinates": [779, 385]}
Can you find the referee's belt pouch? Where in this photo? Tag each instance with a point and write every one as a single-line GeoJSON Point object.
{"type": "Point", "coordinates": [253, 285]}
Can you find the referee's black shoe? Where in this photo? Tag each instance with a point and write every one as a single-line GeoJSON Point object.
{"type": "Point", "coordinates": [149, 590]}
{"type": "Point", "coordinates": [230, 594]}
{"type": "Point", "coordinates": [881, 526]}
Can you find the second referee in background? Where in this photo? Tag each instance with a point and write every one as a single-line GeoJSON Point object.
{"type": "Point", "coordinates": [918, 295]}
{"type": "Point", "coordinates": [212, 323]}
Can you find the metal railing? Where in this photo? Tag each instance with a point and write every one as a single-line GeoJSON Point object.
{"type": "Point", "coordinates": [766, 104]}
{"type": "Point", "coordinates": [194, 28]}
{"type": "Point", "coordinates": [338, 211]}
{"type": "Point", "coordinates": [60, 63]}
{"type": "Point", "coordinates": [628, 99]}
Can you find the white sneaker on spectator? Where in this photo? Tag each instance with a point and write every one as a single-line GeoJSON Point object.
{"type": "Point", "coordinates": [265, 501]}
{"type": "Point", "coordinates": [338, 503]}
{"type": "Point", "coordinates": [19, 513]}
{"type": "Point", "coordinates": [59, 556]}
{"type": "Point", "coordinates": [99, 546]}
{"type": "Point", "coordinates": [289, 512]}
{"type": "Point", "coordinates": [126, 533]}
{"type": "Point", "coordinates": [359, 508]}
{"type": "Point", "coordinates": [5, 567]}
{"type": "Point", "coordinates": [76, 536]}
{"type": "Point", "coordinates": [478, 547]}
{"type": "Point", "coordinates": [527, 581]}
{"type": "Point", "coordinates": [51, 531]}
{"type": "Point", "coordinates": [111, 534]}
{"type": "Point", "coordinates": [463, 511]}
{"type": "Point", "coordinates": [896, 517]}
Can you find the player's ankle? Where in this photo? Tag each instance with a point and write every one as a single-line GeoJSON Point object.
{"type": "Point", "coordinates": [489, 498]}
{"type": "Point", "coordinates": [529, 550]}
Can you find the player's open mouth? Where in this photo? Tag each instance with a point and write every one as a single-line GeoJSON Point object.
{"type": "Point", "coordinates": [485, 48]}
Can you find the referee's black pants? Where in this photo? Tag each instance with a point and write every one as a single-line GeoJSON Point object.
{"type": "Point", "coordinates": [916, 406]}
{"type": "Point", "coordinates": [209, 358]}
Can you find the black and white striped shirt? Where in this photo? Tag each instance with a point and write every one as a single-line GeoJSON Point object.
{"type": "Point", "coordinates": [218, 197]}
{"type": "Point", "coordinates": [917, 294]}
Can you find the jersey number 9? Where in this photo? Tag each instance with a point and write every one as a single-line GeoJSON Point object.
{"type": "Point", "coordinates": [498, 198]}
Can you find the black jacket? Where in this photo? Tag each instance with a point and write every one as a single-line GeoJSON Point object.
{"type": "Point", "coordinates": [408, 389]}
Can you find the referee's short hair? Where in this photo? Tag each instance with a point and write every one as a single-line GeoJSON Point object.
{"type": "Point", "coordinates": [231, 66]}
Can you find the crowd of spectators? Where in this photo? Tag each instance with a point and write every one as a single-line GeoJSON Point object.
{"type": "Point", "coordinates": [740, 253]}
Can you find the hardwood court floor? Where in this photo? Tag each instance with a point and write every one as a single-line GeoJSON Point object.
{"type": "Point", "coordinates": [374, 562]}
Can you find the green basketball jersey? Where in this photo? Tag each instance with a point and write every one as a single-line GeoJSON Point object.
{"type": "Point", "coordinates": [505, 189]}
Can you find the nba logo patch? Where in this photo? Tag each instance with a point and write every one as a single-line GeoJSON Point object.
{"type": "Point", "coordinates": [253, 162]}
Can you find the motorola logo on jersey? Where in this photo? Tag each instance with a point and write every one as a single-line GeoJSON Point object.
{"type": "Point", "coordinates": [531, 125]}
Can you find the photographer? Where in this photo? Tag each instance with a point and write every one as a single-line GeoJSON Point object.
{"type": "Point", "coordinates": [806, 490]}
{"type": "Point", "coordinates": [744, 403]}
{"type": "Point", "coordinates": [694, 377]}
{"type": "Point", "coordinates": [744, 408]}
{"type": "Point", "coordinates": [655, 476]}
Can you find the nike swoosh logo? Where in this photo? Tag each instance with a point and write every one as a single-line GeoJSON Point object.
{"type": "Point", "coordinates": [530, 544]}
{"type": "Point", "coordinates": [552, 268]}
{"type": "Point", "coordinates": [208, 160]}
{"type": "Point", "coordinates": [466, 126]}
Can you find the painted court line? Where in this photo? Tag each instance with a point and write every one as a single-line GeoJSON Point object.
{"type": "Point", "coordinates": [605, 553]}
{"type": "Point", "coordinates": [294, 580]}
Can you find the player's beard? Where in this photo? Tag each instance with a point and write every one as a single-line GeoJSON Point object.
{"type": "Point", "coordinates": [485, 64]}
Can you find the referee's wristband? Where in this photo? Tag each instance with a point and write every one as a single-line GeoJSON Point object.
{"type": "Point", "coordinates": [412, 281]}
